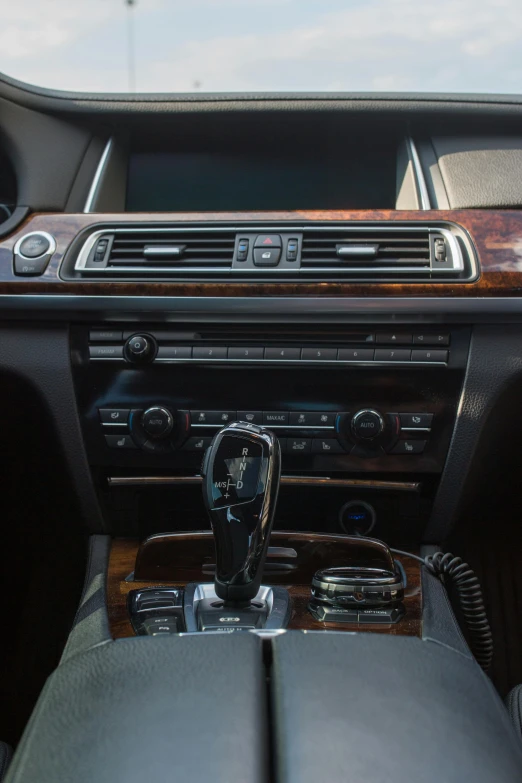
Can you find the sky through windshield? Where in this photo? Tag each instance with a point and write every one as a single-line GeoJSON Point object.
{"type": "Point", "coordinates": [264, 45]}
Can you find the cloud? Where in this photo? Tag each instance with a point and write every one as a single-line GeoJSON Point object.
{"type": "Point", "coordinates": [247, 45]}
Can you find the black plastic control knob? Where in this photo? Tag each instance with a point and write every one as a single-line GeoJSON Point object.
{"type": "Point", "coordinates": [157, 422]}
{"type": "Point", "coordinates": [140, 349]}
{"type": "Point", "coordinates": [367, 425]}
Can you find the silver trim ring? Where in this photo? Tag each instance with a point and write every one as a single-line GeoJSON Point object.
{"type": "Point", "coordinates": [49, 252]}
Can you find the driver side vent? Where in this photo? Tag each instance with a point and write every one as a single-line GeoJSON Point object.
{"type": "Point", "coordinates": [157, 252]}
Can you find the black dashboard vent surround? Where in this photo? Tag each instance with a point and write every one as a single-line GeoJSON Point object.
{"type": "Point", "coordinates": [158, 252]}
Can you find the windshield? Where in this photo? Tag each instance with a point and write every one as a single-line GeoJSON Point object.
{"type": "Point", "coordinates": [264, 45]}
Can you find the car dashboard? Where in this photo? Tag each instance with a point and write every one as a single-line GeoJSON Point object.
{"type": "Point", "coordinates": [342, 271]}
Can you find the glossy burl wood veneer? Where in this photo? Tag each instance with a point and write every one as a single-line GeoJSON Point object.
{"type": "Point", "coordinates": [497, 236]}
{"type": "Point", "coordinates": [186, 557]}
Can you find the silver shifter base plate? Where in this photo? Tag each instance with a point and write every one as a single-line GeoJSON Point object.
{"type": "Point", "coordinates": [271, 609]}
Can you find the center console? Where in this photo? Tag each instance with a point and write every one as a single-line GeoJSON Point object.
{"type": "Point", "coordinates": [363, 415]}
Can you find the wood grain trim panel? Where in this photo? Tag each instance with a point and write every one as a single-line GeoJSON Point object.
{"type": "Point", "coordinates": [497, 236]}
{"type": "Point", "coordinates": [123, 558]}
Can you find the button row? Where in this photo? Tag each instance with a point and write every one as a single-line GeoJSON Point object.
{"type": "Point", "coordinates": [274, 418]}
{"type": "Point", "coordinates": [402, 338]}
{"type": "Point", "coordinates": [288, 445]}
{"type": "Point", "coordinates": [327, 446]}
{"type": "Point", "coordinates": [106, 335]}
{"type": "Point", "coordinates": [212, 353]}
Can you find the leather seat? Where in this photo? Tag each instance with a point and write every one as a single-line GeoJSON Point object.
{"type": "Point", "coordinates": [514, 706]}
{"type": "Point", "coordinates": [5, 758]}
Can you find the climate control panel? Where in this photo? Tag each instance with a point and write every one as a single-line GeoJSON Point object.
{"type": "Point", "coordinates": [159, 429]}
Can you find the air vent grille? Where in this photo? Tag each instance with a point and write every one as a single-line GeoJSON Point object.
{"type": "Point", "coordinates": [160, 253]}
{"type": "Point", "coordinates": [370, 252]}
{"type": "Point", "coordinates": [367, 251]}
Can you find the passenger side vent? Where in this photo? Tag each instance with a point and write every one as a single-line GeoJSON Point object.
{"type": "Point", "coordinates": [380, 252]}
{"type": "Point", "coordinates": [157, 253]}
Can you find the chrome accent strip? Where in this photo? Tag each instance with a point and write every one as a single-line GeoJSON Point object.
{"type": "Point", "coordinates": [413, 429]}
{"type": "Point", "coordinates": [276, 426]}
{"type": "Point", "coordinates": [98, 177]}
{"type": "Point", "coordinates": [267, 362]}
{"type": "Point", "coordinates": [422, 190]}
{"type": "Point", "coordinates": [403, 310]}
{"type": "Point", "coordinates": [301, 481]}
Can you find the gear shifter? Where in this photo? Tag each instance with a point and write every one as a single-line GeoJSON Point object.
{"type": "Point", "coordinates": [241, 475]}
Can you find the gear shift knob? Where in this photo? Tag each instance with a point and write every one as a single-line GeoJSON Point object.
{"type": "Point", "coordinates": [241, 475]}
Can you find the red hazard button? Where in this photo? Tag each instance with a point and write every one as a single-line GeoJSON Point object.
{"type": "Point", "coordinates": [268, 240]}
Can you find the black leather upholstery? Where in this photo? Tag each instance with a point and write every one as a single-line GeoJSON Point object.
{"type": "Point", "coordinates": [514, 707]}
{"type": "Point", "coordinates": [5, 758]}
{"type": "Point", "coordinates": [153, 710]}
{"type": "Point", "coordinates": [384, 709]}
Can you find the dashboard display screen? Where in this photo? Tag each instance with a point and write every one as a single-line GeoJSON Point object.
{"type": "Point", "coordinates": [228, 181]}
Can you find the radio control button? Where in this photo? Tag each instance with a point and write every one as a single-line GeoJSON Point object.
{"type": "Point", "coordinates": [174, 352]}
{"type": "Point", "coordinates": [319, 354]}
{"type": "Point", "coordinates": [416, 421]}
{"type": "Point", "coordinates": [246, 353]}
{"type": "Point", "coordinates": [429, 356]}
{"type": "Point", "coordinates": [251, 417]}
{"type": "Point", "coordinates": [392, 355]}
{"type": "Point", "coordinates": [355, 354]}
{"type": "Point", "coordinates": [431, 339]}
{"type": "Point", "coordinates": [106, 351]}
{"type": "Point", "coordinates": [282, 353]}
{"type": "Point", "coordinates": [105, 335]}
{"type": "Point", "coordinates": [409, 447]}
{"type": "Point", "coordinates": [393, 338]}
{"type": "Point", "coordinates": [120, 442]}
{"type": "Point", "coordinates": [209, 352]}
{"type": "Point", "coordinates": [275, 417]}
{"type": "Point", "coordinates": [114, 415]}
{"type": "Point", "coordinates": [298, 445]}
{"type": "Point", "coordinates": [326, 446]}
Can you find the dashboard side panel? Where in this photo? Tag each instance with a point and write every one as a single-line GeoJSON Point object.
{"type": "Point", "coordinates": [40, 357]}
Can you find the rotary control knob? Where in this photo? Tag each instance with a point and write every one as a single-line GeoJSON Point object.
{"type": "Point", "coordinates": [140, 348]}
{"type": "Point", "coordinates": [367, 425]}
{"type": "Point", "coordinates": [157, 422]}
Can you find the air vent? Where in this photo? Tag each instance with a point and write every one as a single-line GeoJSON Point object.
{"type": "Point", "coordinates": [380, 252]}
{"type": "Point", "coordinates": [366, 252]}
{"type": "Point", "coordinates": [153, 253]}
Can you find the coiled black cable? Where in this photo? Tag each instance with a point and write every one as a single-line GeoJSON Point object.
{"type": "Point", "coordinates": [446, 566]}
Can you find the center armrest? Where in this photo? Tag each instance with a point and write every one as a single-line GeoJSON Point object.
{"type": "Point", "coordinates": [386, 709]}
